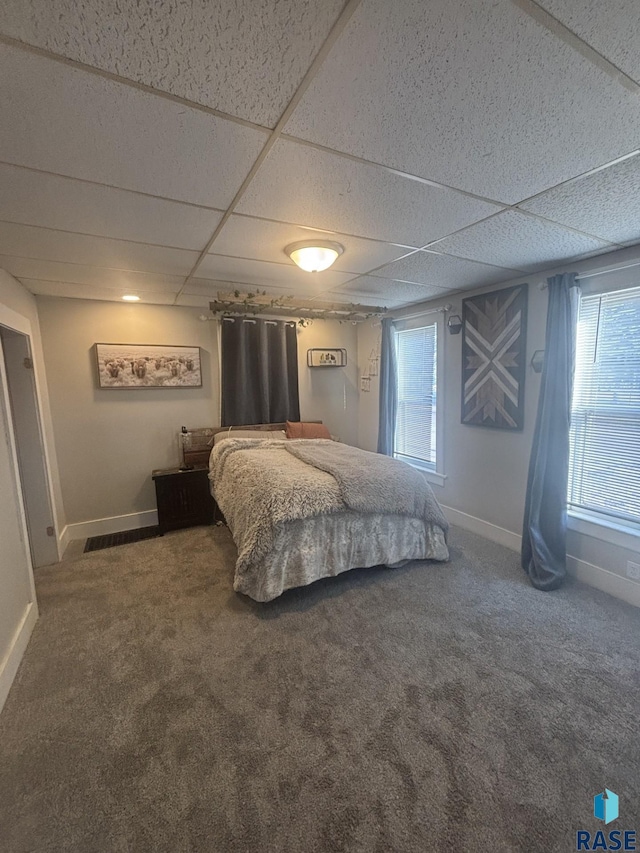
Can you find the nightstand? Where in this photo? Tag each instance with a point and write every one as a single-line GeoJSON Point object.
{"type": "Point", "coordinates": [183, 498]}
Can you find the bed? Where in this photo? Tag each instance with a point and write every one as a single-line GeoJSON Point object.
{"type": "Point", "coordinates": [305, 509]}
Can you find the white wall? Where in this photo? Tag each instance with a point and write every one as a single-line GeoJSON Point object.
{"type": "Point", "coordinates": [368, 340]}
{"type": "Point", "coordinates": [109, 441]}
{"type": "Point", "coordinates": [330, 394]}
{"type": "Point", "coordinates": [486, 469]}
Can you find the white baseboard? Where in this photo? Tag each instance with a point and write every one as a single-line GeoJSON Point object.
{"type": "Point", "coordinates": [615, 585]}
{"type": "Point", "coordinates": [11, 662]}
{"type": "Point", "coordinates": [602, 579]}
{"type": "Point", "coordinates": [113, 524]}
{"type": "Point", "coordinates": [63, 541]}
{"type": "Point", "coordinates": [483, 528]}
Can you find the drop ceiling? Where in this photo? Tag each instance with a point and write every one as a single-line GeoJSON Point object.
{"type": "Point", "coordinates": [172, 149]}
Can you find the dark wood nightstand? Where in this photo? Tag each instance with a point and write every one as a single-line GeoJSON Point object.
{"type": "Point", "coordinates": [183, 497]}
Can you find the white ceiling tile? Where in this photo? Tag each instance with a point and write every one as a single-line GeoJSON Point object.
{"type": "Point", "coordinates": [391, 294]}
{"type": "Point", "coordinates": [612, 28]}
{"type": "Point", "coordinates": [444, 271]}
{"type": "Point", "coordinates": [25, 268]}
{"type": "Point", "coordinates": [25, 241]}
{"type": "Point", "coordinates": [265, 240]}
{"type": "Point", "coordinates": [297, 183]}
{"type": "Point", "coordinates": [211, 288]}
{"type": "Point", "coordinates": [243, 57]}
{"type": "Point", "coordinates": [471, 93]}
{"type": "Point", "coordinates": [606, 204]}
{"type": "Point", "coordinates": [260, 274]}
{"type": "Point", "coordinates": [60, 119]}
{"type": "Point", "coordinates": [104, 294]}
{"type": "Point", "coordinates": [514, 240]}
{"type": "Point", "coordinates": [36, 198]}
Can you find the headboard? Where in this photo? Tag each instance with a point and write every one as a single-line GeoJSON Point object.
{"type": "Point", "coordinates": [198, 449]}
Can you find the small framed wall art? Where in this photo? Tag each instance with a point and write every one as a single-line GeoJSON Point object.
{"type": "Point", "coordinates": [326, 357]}
{"type": "Point", "coordinates": [133, 366]}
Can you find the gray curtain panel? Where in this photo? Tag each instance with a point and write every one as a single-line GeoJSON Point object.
{"type": "Point", "coordinates": [544, 553]}
{"type": "Point", "coordinates": [259, 372]}
{"type": "Point", "coordinates": [388, 389]}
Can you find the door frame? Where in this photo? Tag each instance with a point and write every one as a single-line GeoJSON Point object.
{"type": "Point", "coordinates": [19, 323]}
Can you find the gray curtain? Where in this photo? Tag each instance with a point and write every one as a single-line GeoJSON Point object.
{"type": "Point", "coordinates": [544, 553]}
{"type": "Point", "coordinates": [388, 389]}
{"type": "Point", "coordinates": [259, 372]}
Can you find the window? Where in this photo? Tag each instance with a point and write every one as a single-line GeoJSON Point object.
{"type": "Point", "coordinates": [604, 467]}
{"type": "Point", "coordinates": [415, 439]}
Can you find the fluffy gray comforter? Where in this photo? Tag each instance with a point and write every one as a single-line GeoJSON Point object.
{"type": "Point", "coordinates": [261, 485]}
{"type": "Point", "coordinates": [370, 482]}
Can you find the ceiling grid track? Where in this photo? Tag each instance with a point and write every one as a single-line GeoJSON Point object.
{"type": "Point", "coordinates": [546, 19]}
{"type": "Point", "coordinates": [336, 32]}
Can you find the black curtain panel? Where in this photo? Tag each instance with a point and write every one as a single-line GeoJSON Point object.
{"type": "Point", "coordinates": [545, 516]}
{"type": "Point", "coordinates": [259, 371]}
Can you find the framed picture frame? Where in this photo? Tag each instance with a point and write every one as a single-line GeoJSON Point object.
{"type": "Point", "coordinates": [494, 346]}
{"type": "Point", "coordinates": [137, 366]}
{"type": "Point", "coordinates": [327, 357]}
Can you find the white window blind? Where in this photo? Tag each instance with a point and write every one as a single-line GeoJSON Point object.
{"type": "Point", "coordinates": [604, 469]}
{"type": "Point", "coordinates": [415, 438]}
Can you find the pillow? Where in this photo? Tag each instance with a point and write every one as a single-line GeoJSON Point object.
{"type": "Point", "coordinates": [302, 429]}
{"type": "Point", "coordinates": [269, 435]}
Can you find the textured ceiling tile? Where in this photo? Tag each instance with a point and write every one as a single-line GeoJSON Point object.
{"type": "Point", "coordinates": [62, 120]}
{"type": "Point", "coordinates": [612, 28]}
{"type": "Point", "coordinates": [471, 93]}
{"type": "Point", "coordinates": [300, 184]}
{"type": "Point", "coordinates": [23, 268]}
{"type": "Point", "coordinates": [211, 288]}
{"type": "Point", "coordinates": [606, 204]}
{"type": "Point", "coordinates": [243, 57]}
{"type": "Point", "coordinates": [265, 240]}
{"type": "Point", "coordinates": [25, 241]}
{"type": "Point", "coordinates": [259, 274]}
{"type": "Point", "coordinates": [104, 294]}
{"type": "Point", "coordinates": [444, 271]}
{"type": "Point", "coordinates": [392, 294]}
{"type": "Point", "coordinates": [511, 239]}
{"type": "Point", "coordinates": [35, 198]}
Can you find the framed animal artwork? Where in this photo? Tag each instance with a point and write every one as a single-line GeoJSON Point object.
{"type": "Point", "coordinates": [494, 358]}
{"type": "Point", "coordinates": [133, 366]}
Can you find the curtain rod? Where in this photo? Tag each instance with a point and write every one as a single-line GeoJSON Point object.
{"type": "Point", "coordinates": [603, 271]}
{"type": "Point", "coordinates": [442, 310]}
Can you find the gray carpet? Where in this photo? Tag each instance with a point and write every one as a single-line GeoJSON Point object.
{"type": "Point", "coordinates": [444, 707]}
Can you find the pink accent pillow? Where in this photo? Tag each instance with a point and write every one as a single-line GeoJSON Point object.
{"type": "Point", "coordinates": [302, 429]}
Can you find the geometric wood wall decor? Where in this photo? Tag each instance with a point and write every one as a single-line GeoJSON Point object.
{"type": "Point", "coordinates": [493, 358]}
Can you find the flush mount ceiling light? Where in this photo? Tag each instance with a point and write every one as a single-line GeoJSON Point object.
{"type": "Point", "coordinates": [314, 255]}
{"type": "Point", "coordinates": [129, 297]}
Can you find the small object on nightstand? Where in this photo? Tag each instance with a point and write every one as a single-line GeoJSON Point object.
{"type": "Point", "coordinates": [183, 498]}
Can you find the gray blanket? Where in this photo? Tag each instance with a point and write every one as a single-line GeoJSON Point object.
{"type": "Point", "coordinates": [259, 486]}
{"type": "Point", "coordinates": [370, 482]}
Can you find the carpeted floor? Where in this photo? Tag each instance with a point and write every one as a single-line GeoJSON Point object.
{"type": "Point", "coordinates": [444, 707]}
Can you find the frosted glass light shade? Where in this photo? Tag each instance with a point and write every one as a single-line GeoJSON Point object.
{"type": "Point", "coordinates": [314, 256]}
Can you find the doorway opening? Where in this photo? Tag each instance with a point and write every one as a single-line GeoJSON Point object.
{"type": "Point", "coordinates": [24, 421]}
